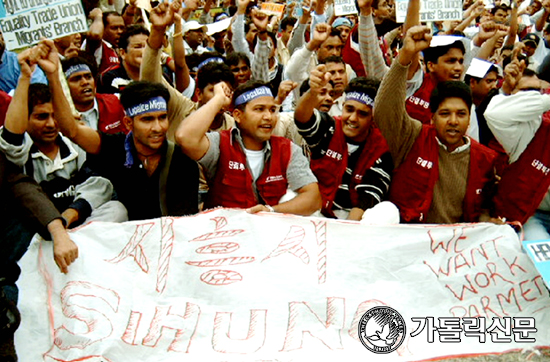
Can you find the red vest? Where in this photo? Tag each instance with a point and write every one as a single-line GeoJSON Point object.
{"type": "Point", "coordinates": [330, 168]}
{"type": "Point", "coordinates": [233, 184]}
{"type": "Point", "coordinates": [418, 105]}
{"type": "Point", "coordinates": [109, 57]}
{"type": "Point", "coordinates": [525, 182]}
{"type": "Point", "coordinates": [413, 181]}
{"type": "Point", "coordinates": [5, 100]}
{"type": "Point", "coordinates": [111, 114]}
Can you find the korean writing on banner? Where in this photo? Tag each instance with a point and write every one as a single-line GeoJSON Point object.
{"type": "Point", "coordinates": [226, 285]}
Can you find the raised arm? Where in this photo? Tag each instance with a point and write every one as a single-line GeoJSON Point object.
{"type": "Point", "coordinates": [297, 39]}
{"type": "Point", "coordinates": [191, 133]}
{"type": "Point", "coordinates": [390, 115]}
{"type": "Point", "coordinates": [17, 116]}
{"type": "Point", "coordinates": [371, 54]}
{"type": "Point", "coordinates": [413, 19]}
{"type": "Point", "coordinates": [260, 61]}
{"type": "Point", "coordinates": [95, 32]}
{"type": "Point", "coordinates": [296, 68]}
{"type": "Point", "coordinates": [318, 78]}
{"type": "Point", "coordinates": [238, 40]}
{"type": "Point", "coordinates": [178, 52]}
{"type": "Point", "coordinates": [84, 136]}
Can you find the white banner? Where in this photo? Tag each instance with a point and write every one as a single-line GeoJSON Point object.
{"type": "Point", "coordinates": [229, 286]}
{"type": "Point", "coordinates": [25, 22]}
{"type": "Point", "coordinates": [431, 10]}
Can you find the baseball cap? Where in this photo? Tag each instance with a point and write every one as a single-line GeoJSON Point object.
{"type": "Point", "coordinates": [531, 37]}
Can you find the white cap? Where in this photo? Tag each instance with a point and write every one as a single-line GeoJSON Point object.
{"type": "Point", "coordinates": [478, 68]}
{"type": "Point", "coordinates": [193, 25]}
{"type": "Point", "coordinates": [218, 26]}
{"type": "Point", "coordinates": [442, 40]}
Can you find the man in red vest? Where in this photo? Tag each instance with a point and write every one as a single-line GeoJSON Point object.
{"type": "Point", "coordinates": [441, 175]}
{"type": "Point", "coordinates": [349, 156]}
{"type": "Point", "coordinates": [102, 112]}
{"type": "Point", "coordinates": [521, 123]}
{"type": "Point", "coordinates": [246, 166]}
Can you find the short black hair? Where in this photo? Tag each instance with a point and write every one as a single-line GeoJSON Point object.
{"type": "Point", "coordinates": [141, 91]}
{"type": "Point", "coordinates": [106, 14]}
{"type": "Point", "coordinates": [69, 62]}
{"type": "Point", "coordinates": [213, 73]}
{"type": "Point", "coordinates": [432, 54]}
{"type": "Point", "coordinates": [333, 59]}
{"type": "Point", "coordinates": [502, 7]}
{"type": "Point", "coordinates": [450, 89]}
{"type": "Point", "coordinates": [130, 31]}
{"type": "Point", "coordinates": [243, 88]}
{"type": "Point", "coordinates": [234, 58]}
{"type": "Point", "coordinates": [39, 93]}
{"type": "Point", "coordinates": [369, 86]}
{"type": "Point", "coordinates": [289, 20]}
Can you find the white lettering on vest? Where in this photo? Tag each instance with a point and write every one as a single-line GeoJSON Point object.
{"type": "Point", "coordinates": [274, 178]}
{"type": "Point", "coordinates": [234, 165]}
{"type": "Point", "coordinates": [417, 101]}
{"type": "Point", "coordinates": [334, 154]}
{"type": "Point", "coordinates": [540, 166]}
{"type": "Point", "coordinates": [424, 163]}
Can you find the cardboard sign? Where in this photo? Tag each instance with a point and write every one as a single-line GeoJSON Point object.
{"type": "Point", "coordinates": [344, 7]}
{"type": "Point", "coordinates": [229, 286]}
{"type": "Point", "coordinates": [25, 22]}
{"type": "Point", "coordinates": [431, 10]}
{"type": "Point", "coordinates": [273, 9]}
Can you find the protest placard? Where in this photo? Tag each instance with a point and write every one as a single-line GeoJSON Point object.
{"type": "Point", "coordinates": [431, 10]}
{"type": "Point", "coordinates": [344, 7]}
{"type": "Point", "coordinates": [273, 9]}
{"type": "Point", "coordinates": [25, 22]}
{"type": "Point", "coordinates": [226, 285]}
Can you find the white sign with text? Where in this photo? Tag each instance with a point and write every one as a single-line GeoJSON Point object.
{"type": "Point", "coordinates": [24, 22]}
{"type": "Point", "coordinates": [225, 285]}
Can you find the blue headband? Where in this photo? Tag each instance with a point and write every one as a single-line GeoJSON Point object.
{"type": "Point", "coordinates": [76, 68]}
{"type": "Point", "coordinates": [359, 97]}
{"type": "Point", "coordinates": [209, 60]}
{"type": "Point", "coordinates": [152, 105]}
{"type": "Point", "coordinates": [253, 94]}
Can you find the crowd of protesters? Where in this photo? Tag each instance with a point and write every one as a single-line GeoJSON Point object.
{"type": "Point", "coordinates": [186, 106]}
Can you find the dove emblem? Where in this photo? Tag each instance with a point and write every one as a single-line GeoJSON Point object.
{"type": "Point", "coordinates": [382, 329]}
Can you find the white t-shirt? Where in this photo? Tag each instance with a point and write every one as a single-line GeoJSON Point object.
{"type": "Point", "coordinates": [256, 162]}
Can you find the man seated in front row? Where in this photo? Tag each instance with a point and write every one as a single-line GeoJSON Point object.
{"type": "Point", "coordinates": [30, 138]}
{"type": "Point", "coordinates": [247, 166]}
{"type": "Point", "coordinates": [153, 178]}
{"type": "Point", "coordinates": [441, 175]}
{"type": "Point", "coordinates": [349, 156]}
